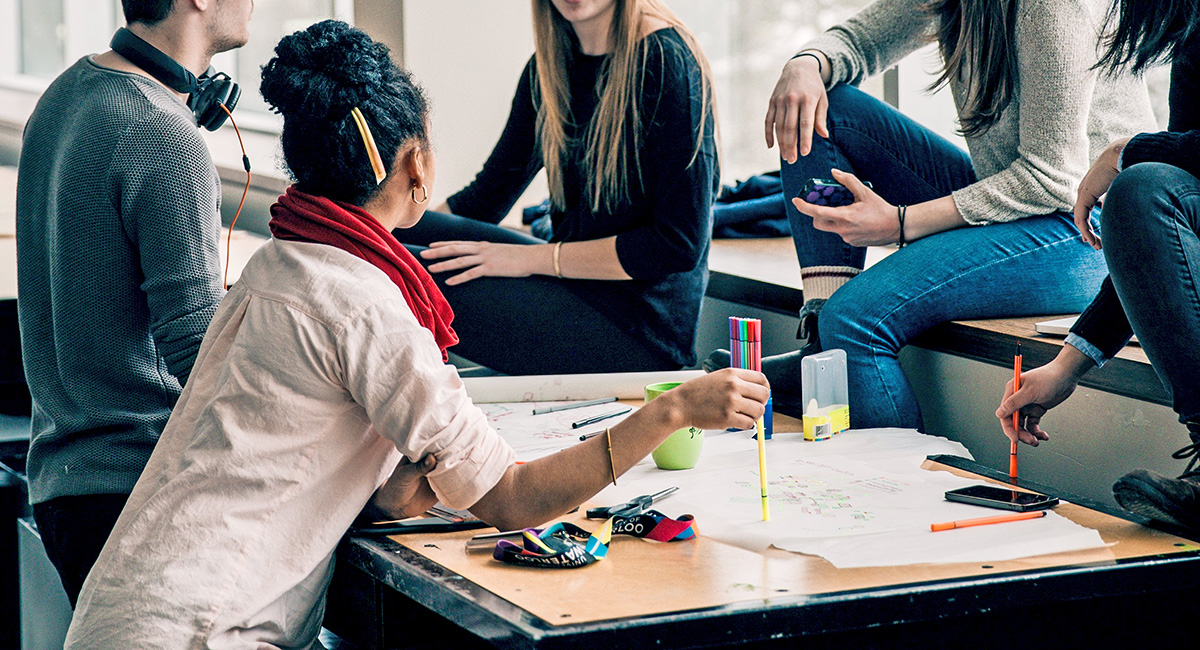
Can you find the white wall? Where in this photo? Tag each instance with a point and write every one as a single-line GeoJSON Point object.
{"type": "Point", "coordinates": [468, 54]}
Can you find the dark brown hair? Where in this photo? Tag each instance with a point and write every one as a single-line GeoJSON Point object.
{"type": "Point", "coordinates": [146, 11]}
{"type": "Point", "coordinates": [316, 77]}
{"type": "Point", "coordinates": [977, 39]}
{"type": "Point", "coordinates": [1147, 32]}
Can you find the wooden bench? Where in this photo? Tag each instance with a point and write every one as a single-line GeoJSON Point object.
{"type": "Point", "coordinates": [763, 274]}
{"type": "Point", "coordinates": [1118, 419]}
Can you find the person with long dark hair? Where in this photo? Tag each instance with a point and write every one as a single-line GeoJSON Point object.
{"type": "Point", "coordinates": [1150, 224]}
{"type": "Point", "coordinates": [617, 105]}
{"type": "Point", "coordinates": [983, 235]}
{"type": "Point", "coordinates": [321, 376]}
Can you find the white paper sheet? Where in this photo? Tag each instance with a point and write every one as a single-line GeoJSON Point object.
{"type": "Point", "coordinates": [534, 436]}
{"type": "Point", "coordinates": [857, 500]}
{"type": "Point", "coordinates": [622, 385]}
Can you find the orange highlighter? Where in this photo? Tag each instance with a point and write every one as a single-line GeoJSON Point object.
{"type": "Point", "coordinates": [983, 521]}
{"type": "Point", "coordinates": [1012, 453]}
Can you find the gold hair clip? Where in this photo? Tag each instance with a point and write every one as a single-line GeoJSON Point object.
{"type": "Point", "coordinates": [372, 150]}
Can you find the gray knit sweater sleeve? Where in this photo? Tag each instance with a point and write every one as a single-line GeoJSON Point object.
{"type": "Point", "coordinates": [168, 211]}
{"type": "Point", "coordinates": [1056, 49]}
{"type": "Point", "coordinates": [873, 39]}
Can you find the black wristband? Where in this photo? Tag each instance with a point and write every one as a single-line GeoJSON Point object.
{"type": "Point", "coordinates": [900, 212]}
{"type": "Point", "coordinates": [820, 68]}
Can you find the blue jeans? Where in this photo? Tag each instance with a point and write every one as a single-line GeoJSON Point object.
{"type": "Point", "coordinates": [1035, 265]}
{"type": "Point", "coordinates": [1150, 221]}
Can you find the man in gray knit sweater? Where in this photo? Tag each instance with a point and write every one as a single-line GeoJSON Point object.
{"type": "Point", "coordinates": [118, 272]}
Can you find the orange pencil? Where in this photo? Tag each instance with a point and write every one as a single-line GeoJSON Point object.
{"type": "Point", "coordinates": [1012, 453]}
{"type": "Point", "coordinates": [983, 521]}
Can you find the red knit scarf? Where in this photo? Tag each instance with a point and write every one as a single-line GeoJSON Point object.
{"type": "Point", "coordinates": [303, 217]}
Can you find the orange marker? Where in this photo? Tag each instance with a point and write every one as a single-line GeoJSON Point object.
{"type": "Point", "coordinates": [983, 521]}
{"type": "Point", "coordinates": [1012, 453]}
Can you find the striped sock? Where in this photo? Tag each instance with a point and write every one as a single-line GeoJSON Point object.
{"type": "Point", "coordinates": [822, 281]}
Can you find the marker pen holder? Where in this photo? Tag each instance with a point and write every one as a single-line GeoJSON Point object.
{"type": "Point", "coordinates": [823, 388]}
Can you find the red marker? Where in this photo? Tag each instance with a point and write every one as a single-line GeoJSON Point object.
{"type": "Point", "coordinates": [1012, 454]}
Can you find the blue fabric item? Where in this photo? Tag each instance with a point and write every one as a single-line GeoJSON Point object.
{"type": "Point", "coordinates": [1031, 266]}
{"type": "Point", "coordinates": [1151, 226]}
{"type": "Point", "coordinates": [1079, 343]}
{"type": "Point", "coordinates": [752, 208]}
{"type": "Point", "coordinates": [761, 217]}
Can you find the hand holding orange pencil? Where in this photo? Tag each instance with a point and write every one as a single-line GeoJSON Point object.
{"type": "Point", "coordinates": [1012, 454]}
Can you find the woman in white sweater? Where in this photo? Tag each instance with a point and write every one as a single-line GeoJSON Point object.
{"type": "Point", "coordinates": [983, 235]}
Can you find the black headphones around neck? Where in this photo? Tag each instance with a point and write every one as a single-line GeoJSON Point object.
{"type": "Point", "coordinates": [205, 95]}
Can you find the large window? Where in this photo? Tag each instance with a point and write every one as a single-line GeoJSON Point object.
{"type": "Point", "coordinates": [747, 43]}
{"type": "Point", "coordinates": [41, 38]}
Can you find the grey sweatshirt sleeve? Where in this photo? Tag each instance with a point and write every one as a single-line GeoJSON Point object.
{"type": "Point", "coordinates": [169, 206]}
{"type": "Point", "coordinates": [873, 39]}
{"type": "Point", "coordinates": [1056, 49]}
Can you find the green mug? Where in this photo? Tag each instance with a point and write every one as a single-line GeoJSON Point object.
{"type": "Point", "coordinates": [681, 449]}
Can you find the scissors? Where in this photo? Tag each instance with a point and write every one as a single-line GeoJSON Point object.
{"type": "Point", "coordinates": [632, 507]}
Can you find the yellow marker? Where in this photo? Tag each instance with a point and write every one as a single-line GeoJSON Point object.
{"type": "Point", "coordinates": [762, 467]}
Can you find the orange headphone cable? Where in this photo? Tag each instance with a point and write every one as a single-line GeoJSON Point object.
{"type": "Point", "coordinates": [245, 190]}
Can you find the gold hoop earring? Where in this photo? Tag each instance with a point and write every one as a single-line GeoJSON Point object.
{"type": "Point", "coordinates": [424, 192]}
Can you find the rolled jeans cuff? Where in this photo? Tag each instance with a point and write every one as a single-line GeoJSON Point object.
{"type": "Point", "coordinates": [1079, 343]}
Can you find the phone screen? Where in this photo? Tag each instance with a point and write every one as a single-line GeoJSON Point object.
{"type": "Point", "coordinates": [997, 497]}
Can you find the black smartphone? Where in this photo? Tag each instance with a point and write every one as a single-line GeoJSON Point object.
{"type": "Point", "coordinates": [997, 497]}
{"type": "Point", "coordinates": [823, 191]}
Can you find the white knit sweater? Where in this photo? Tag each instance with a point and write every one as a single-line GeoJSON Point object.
{"type": "Point", "coordinates": [1063, 113]}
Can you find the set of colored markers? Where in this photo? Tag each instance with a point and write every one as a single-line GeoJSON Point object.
{"type": "Point", "coordinates": [745, 348]}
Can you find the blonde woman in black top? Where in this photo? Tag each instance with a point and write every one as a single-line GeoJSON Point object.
{"type": "Point", "coordinates": [616, 105]}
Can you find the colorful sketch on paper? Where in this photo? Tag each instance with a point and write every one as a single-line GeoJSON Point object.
{"type": "Point", "coordinates": [817, 496]}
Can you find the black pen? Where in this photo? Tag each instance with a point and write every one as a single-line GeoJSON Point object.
{"type": "Point", "coordinates": [603, 416]}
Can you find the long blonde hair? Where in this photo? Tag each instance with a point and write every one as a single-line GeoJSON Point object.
{"type": "Point", "coordinates": [605, 162]}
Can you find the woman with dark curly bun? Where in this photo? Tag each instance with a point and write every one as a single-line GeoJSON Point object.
{"type": "Point", "coordinates": [321, 391]}
{"type": "Point", "coordinates": [616, 104]}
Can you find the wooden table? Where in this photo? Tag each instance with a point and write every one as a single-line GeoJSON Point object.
{"type": "Point", "coordinates": [428, 591]}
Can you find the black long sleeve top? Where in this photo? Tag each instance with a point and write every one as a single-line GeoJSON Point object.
{"type": "Point", "coordinates": [1103, 325]}
{"type": "Point", "coordinates": [663, 229]}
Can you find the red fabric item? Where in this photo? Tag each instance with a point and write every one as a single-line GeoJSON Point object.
{"type": "Point", "coordinates": [297, 216]}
